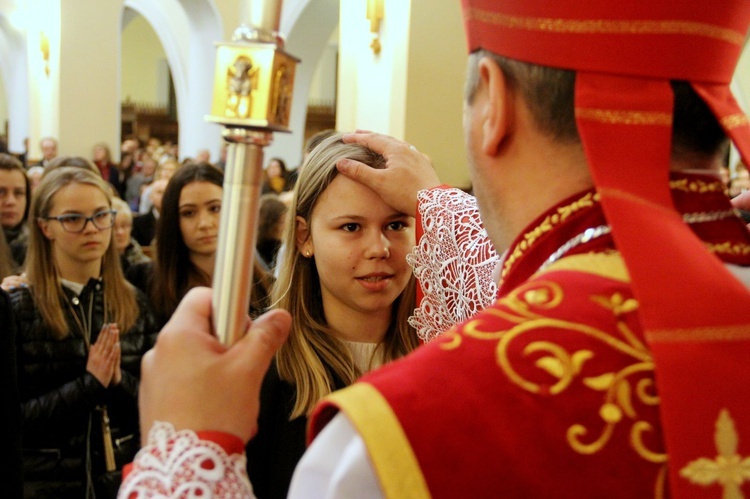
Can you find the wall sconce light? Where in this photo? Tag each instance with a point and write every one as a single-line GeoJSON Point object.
{"type": "Point", "coordinates": [375, 15]}
{"type": "Point", "coordinates": [44, 47]}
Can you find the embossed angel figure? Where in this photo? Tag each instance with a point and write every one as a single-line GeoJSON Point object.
{"type": "Point", "coordinates": [240, 83]}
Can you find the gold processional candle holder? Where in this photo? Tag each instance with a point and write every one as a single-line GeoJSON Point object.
{"type": "Point", "coordinates": [252, 98]}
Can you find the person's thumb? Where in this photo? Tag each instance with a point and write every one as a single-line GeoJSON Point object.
{"type": "Point", "coordinates": [357, 171]}
{"type": "Point", "coordinates": [266, 335]}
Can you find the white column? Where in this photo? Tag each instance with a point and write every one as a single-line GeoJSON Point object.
{"type": "Point", "coordinates": [264, 14]}
{"type": "Point", "coordinates": [43, 57]}
{"type": "Point", "coordinates": [372, 87]}
{"type": "Point", "coordinates": [14, 71]}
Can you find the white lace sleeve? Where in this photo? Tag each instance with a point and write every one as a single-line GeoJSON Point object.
{"type": "Point", "coordinates": [179, 464]}
{"type": "Point", "coordinates": [453, 261]}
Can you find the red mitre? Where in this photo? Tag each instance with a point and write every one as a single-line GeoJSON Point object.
{"type": "Point", "coordinates": [695, 313]}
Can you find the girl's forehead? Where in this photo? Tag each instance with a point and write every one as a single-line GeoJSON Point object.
{"type": "Point", "coordinates": [12, 176]}
{"type": "Point", "coordinates": [344, 196]}
{"type": "Point", "coordinates": [123, 215]}
{"type": "Point", "coordinates": [200, 188]}
{"type": "Point", "coordinates": [71, 194]}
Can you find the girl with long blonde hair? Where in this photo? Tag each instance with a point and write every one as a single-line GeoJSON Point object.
{"type": "Point", "coordinates": [82, 330]}
{"type": "Point", "coordinates": [345, 280]}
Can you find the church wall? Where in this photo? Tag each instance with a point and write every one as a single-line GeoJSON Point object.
{"type": "Point", "coordinates": [434, 90]}
{"type": "Point", "coordinates": [143, 60]}
{"type": "Point", "coordinates": [89, 74]}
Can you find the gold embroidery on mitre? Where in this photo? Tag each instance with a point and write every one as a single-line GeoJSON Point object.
{"type": "Point", "coordinates": [728, 469]}
{"type": "Point", "coordinates": [734, 121]}
{"type": "Point", "coordinates": [607, 26]}
{"type": "Point", "coordinates": [545, 226]}
{"type": "Point", "coordinates": [737, 332]}
{"type": "Point", "coordinates": [617, 117]}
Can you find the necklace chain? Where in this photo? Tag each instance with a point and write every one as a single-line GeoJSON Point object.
{"type": "Point", "coordinates": [596, 232]}
{"type": "Point", "coordinates": [587, 235]}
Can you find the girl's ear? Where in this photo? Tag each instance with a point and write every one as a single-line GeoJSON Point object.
{"type": "Point", "coordinates": [44, 226]}
{"type": "Point", "coordinates": [302, 235]}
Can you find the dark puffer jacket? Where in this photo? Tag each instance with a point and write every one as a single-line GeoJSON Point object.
{"type": "Point", "coordinates": [61, 402]}
{"type": "Point", "coordinates": [10, 436]}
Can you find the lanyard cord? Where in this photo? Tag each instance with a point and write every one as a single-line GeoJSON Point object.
{"type": "Point", "coordinates": [85, 322]}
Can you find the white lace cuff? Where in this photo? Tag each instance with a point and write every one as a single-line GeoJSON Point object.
{"type": "Point", "coordinates": [180, 464]}
{"type": "Point", "coordinates": [453, 262]}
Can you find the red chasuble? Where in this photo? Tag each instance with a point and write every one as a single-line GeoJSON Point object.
{"type": "Point", "coordinates": [552, 391]}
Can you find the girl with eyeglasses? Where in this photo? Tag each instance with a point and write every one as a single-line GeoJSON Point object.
{"type": "Point", "coordinates": [82, 330]}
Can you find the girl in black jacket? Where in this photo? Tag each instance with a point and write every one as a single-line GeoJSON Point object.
{"type": "Point", "coordinates": [77, 373]}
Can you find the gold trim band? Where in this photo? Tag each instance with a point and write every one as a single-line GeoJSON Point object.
{"type": "Point", "coordinates": [729, 248]}
{"type": "Point", "coordinates": [699, 186]}
{"type": "Point", "coordinates": [531, 237]}
{"type": "Point", "coordinates": [734, 121]}
{"type": "Point", "coordinates": [718, 333]}
{"type": "Point", "coordinates": [614, 117]}
{"type": "Point", "coordinates": [607, 26]}
{"type": "Point", "coordinates": [395, 463]}
{"type": "Point", "coordinates": [608, 265]}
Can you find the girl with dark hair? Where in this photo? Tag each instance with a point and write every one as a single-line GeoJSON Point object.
{"type": "Point", "coordinates": [82, 330]}
{"type": "Point", "coordinates": [109, 171]}
{"type": "Point", "coordinates": [186, 235]}
{"type": "Point", "coordinates": [276, 177]}
{"type": "Point", "coordinates": [186, 240]}
{"type": "Point", "coordinates": [15, 200]}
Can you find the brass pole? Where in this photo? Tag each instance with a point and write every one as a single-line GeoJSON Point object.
{"type": "Point", "coordinates": [233, 274]}
{"type": "Point", "coordinates": [253, 85]}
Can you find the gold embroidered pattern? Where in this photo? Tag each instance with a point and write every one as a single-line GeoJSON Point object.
{"type": "Point", "coordinates": [620, 389]}
{"type": "Point", "coordinates": [608, 264]}
{"type": "Point", "coordinates": [545, 226]}
{"type": "Point", "coordinates": [667, 211]}
{"type": "Point", "coordinates": [729, 248]}
{"type": "Point", "coordinates": [734, 121]}
{"type": "Point", "coordinates": [699, 186]}
{"type": "Point", "coordinates": [607, 26]}
{"type": "Point", "coordinates": [661, 483]}
{"type": "Point", "coordinates": [729, 469]}
{"type": "Point", "coordinates": [617, 117]}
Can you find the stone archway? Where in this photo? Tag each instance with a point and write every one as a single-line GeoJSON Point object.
{"type": "Point", "coordinates": [187, 31]}
{"type": "Point", "coordinates": [13, 70]}
{"type": "Point", "coordinates": [308, 25]}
